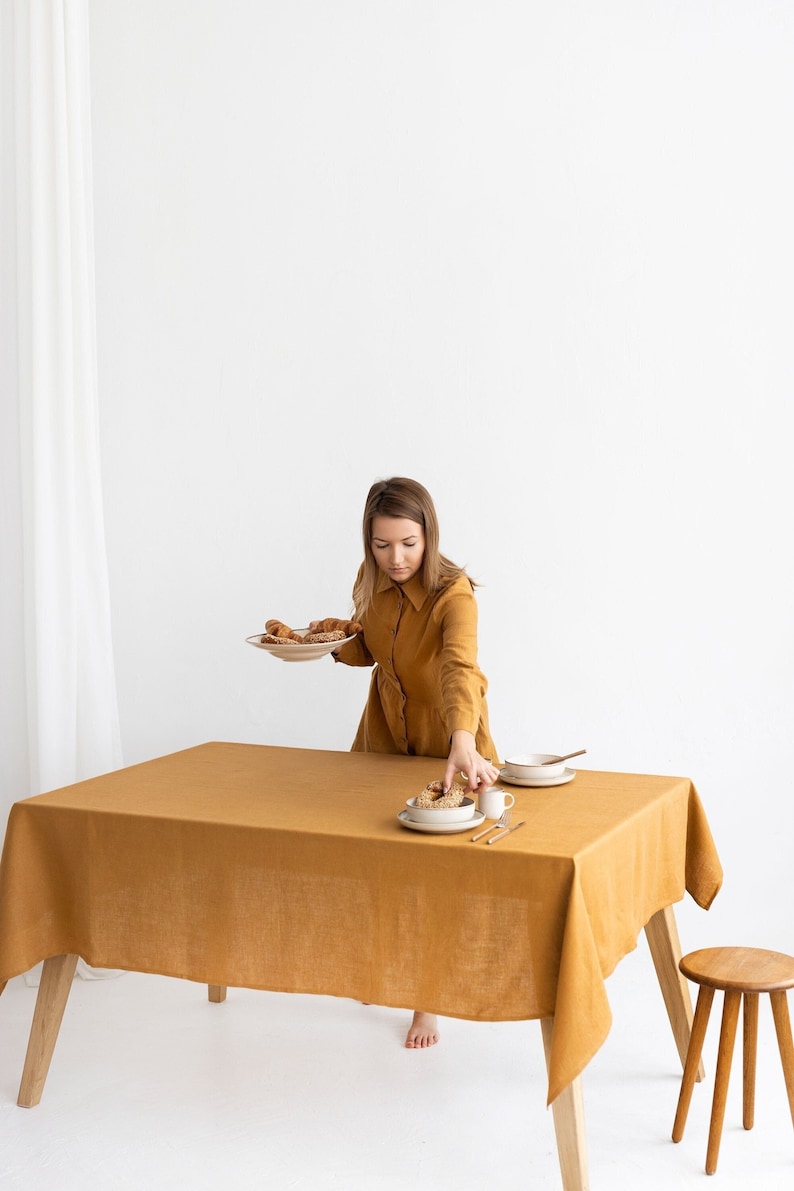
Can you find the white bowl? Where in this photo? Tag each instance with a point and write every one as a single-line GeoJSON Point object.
{"type": "Point", "coordinates": [441, 814]}
{"type": "Point", "coordinates": [530, 765]}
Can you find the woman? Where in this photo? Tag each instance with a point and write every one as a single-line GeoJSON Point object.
{"type": "Point", "coordinates": [419, 618]}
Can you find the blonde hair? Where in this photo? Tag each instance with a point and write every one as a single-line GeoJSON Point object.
{"type": "Point", "coordinates": [400, 497]}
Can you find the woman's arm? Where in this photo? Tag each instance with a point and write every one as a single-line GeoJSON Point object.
{"type": "Point", "coordinates": [463, 687]}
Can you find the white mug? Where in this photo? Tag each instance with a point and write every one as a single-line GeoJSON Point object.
{"type": "Point", "coordinates": [493, 800]}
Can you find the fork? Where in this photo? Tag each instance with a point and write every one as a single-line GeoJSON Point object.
{"type": "Point", "coordinates": [504, 821]}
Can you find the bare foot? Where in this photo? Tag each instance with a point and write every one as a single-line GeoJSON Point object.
{"type": "Point", "coordinates": [423, 1031]}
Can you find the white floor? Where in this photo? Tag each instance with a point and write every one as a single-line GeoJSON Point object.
{"type": "Point", "coordinates": [152, 1087]}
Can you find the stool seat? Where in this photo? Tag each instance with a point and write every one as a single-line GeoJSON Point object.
{"type": "Point", "coordinates": [742, 973]}
{"type": "Point", "coordinates": [748, 969]}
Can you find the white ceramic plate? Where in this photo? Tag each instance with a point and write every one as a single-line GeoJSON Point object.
{"type": "Point", "coordinates": [441, 828]}
{"type": "Point", "coordinates": [538, 783]}
{"type": "Point", "coordinates": [297, 653]}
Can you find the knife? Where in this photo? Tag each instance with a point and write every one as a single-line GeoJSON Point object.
{"type": "Point", "coordinates": [502, 834]}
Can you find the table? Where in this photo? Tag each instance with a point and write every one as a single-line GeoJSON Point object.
{"type": "Point", "coordinates": [286, 869]}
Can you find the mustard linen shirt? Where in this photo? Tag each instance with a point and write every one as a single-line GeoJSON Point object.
{"type": "Point", "coordinates": [426, 682]}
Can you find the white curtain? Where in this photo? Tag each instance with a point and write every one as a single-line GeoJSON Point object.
{"type": "Point", "coordinates": [60, 715]}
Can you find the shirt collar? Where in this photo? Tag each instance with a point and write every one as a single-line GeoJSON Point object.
{"type": "Point", "coordinates": [414, 588]}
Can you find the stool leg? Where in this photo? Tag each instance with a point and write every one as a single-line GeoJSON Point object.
{"type": "Point", "coordinates": [730, 1018]}
{"type": "Point", "coordinates": [750, 1022]}
{"type": "Point", "coordinates": [785, 1045]}
{"type": "Point", "coordinates": [692, 1062]}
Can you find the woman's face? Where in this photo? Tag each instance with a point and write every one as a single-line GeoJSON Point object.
{"type": "Point", "coordinates": [398, 545]}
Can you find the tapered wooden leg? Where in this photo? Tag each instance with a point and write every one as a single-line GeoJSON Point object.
{"type": "Point", "coordinates": [665, 947]}
{"type": "Point", "coordinates": [784, 1042]}
{"type": "Point", "coordinates": [750, 1024]}
{"type": "Point", "coordinates": [730, 1018]}
{"type": "Point", "coordinates": [56, 981]}
{"type": "Point", "coordinates": [216, 993]}
{"type": "Point", "coordinates": [568, 1112]}
{"type": "Point", "coordinates": [701, 1021]}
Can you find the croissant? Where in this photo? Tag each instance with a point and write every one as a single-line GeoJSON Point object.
{"type": "Point", "coordinates": [332, 625]}
{"type": "Point", "coordinates": [277, 629]}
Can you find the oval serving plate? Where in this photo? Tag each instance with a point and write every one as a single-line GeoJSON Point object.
{"type": "Point", "coordinates": [297, 653]}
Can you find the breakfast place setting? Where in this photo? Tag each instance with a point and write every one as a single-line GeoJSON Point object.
{"type": "Point", "coordinates": [440, 812]}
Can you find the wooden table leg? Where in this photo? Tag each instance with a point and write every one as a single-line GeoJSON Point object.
{"type": "Point", "coordinates": [56, 981]}
{"type": "Point", "coordinates": [568, 1111]}
{"type": "Point", "coordinates": [216, 993]}
{"type": "Point", "coordinates": [662, 935]}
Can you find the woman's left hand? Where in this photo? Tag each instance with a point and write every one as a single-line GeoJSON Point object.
{"type": "Point", "coordinates": [463, 757]}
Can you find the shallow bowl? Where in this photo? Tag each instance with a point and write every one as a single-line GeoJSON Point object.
{"type": "Point", "coordinates": [530, 765]}
{"type": "Point", "coordinates": [441, 814]}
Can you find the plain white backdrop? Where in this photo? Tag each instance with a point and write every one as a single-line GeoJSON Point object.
{"type": "Point", "coordinates": [538, 257]}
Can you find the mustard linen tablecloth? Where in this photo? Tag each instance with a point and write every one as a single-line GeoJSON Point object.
{"type": "Point", "coordinates": [286, 869]}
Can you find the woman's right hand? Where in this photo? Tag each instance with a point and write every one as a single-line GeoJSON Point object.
{"type": "Point", "coordinates": [464, 758]}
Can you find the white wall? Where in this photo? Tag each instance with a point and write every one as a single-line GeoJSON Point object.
{"type": "Point", "coordinates": [539, 257]}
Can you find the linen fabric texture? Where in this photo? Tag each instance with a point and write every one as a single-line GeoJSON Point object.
{"type": "Point", "coordinates": [287, 869]}
{"type": "Point", "coordinates": [426, 683]}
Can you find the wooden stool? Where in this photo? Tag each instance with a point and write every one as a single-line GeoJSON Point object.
{"type": "Point", "coordinates": [739, 971]}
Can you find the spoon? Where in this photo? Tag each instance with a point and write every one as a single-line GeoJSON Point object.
{"type": "Point", "coordinates": [555, 760]}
